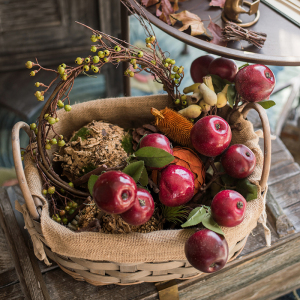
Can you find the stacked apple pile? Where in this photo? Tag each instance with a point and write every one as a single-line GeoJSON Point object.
{"type": "Point", "coordinates": [125, 193]}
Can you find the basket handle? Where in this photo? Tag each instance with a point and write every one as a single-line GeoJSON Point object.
{"type": "Point", "coordinates": [32, 202]}
{"type": "Point", "coordinates": [267, 139]}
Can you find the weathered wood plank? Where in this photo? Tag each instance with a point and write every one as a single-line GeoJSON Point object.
{"type": "Point", "coordinates": [264, 288]}
{"type": "Point", "coordinates": [238, 276]}
{"type": "Point", "coordinates": [279, 220]}
{"type": "Point", "coordinates": [283, 172]}
{"type": "Point", "coordinates": [280, 159]}
{"type": "Point", "coordinates": [12, 292]}
{"type": "Point", "coordinates": [293, 212]}
{"type": "Point", "coordinates": [287, 191]}
{"type": "Point", "coordinates": [28, 277]}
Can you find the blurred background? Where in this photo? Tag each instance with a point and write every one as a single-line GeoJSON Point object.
{"type": "Point", "coordinates": [46, 30]}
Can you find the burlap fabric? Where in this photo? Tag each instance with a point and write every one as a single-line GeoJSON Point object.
{"type": "Point", "coordinates": [156, 246]}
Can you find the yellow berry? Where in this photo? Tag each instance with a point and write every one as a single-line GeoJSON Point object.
{"type": "Point", "coordinates": [93, 48]}
{"type": "Point", "coordinates": [48, 147]}
{"type": "Point", "coordinates": [37, 84]}
{"type": "Point", "coordinates": [41, 98]}
{"type": "Point", "coordinates": [61, 70]}
{"type": "Point", "coordinates": [32, 73]}
{"type": "Point", "coordinates": [38, 94]}
{"type": "Point", "coordinates": [29, 64]}
{"type": "Point", "coordinates": [64, 77]}
{"type": "Point", "coordinates": [96, 59]}
{"type": "Point", "coordinates": [94, 38]}
{"type": "Point", "coordinates": [95, 69]}
{"type": "Point", "coordinates": [51, 190]}
{"type": "Point", "coordinates": [106, 52]}
{"type": "Point", "coordinates": [152, 38]}
{"type": "Point", "coordinates": [78, 60]}
{"type": "Point", "coordinates": [86, 68]}
{"type": "Point", "coordinates": [87, 60]}
{"type": "Point", "coordinates": [101, 54]}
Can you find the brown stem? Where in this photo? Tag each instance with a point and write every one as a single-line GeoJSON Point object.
{"type": "Point", "coordinates": [85, 178]}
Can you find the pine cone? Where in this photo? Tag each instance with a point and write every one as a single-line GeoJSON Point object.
{"type": "Point", "coordinates": [138, 133]}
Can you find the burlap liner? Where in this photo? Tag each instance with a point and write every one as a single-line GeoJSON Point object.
{"type": "Point", "coordinates": [156, 246]}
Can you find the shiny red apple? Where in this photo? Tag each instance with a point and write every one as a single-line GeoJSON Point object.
{"type": "Point", "coordinates": [156, 140]}
{"type": "Point", "coordinates": [228, 208]}
{"type": "Point", "coordinates": [207, 251]}
{"type": "Point", "coordinates": [176, 185]}
{"type": "Point", "coordinates": [255, 83]}
{"type": "Point", "coordinates": [114, 192]}
{"type": "Point", "coordinates": [238, 161]}
{"type": "Point", "coordinates": [224, 67]}
{"type": "Point", "coordinates": [211, 135]}
{"type": "Point", "coordinates": [199, 67]}
{"type": "Point", "coordinates": [142, 209]}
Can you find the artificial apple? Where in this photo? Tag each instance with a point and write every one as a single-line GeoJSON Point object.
{"type": "Point", "coordinates": [223, 67]}
{"type": "Point", "coordinates": [228, 208]}
{"type": "Point", "coordinates": [156, 140]}
{"type": "Point", "coordinates": [211, 135]}
{"type": "Point", "coordinates": [114, 192]}
{"type": "Point", "coordinates": [207, 251]}
{"type": "Point", "coordinates": [199, 67]}
{"type": "Point", "coordinates": [255, 83]}
{"type": "Point", "coordinates": [176, 185]}
{"type": "Point", "coordinates": [142, 209]}
{"type": "Point", "coordinates": [238, 161]}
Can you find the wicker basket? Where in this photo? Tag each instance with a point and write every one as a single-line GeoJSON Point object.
{"type": "Point", "coordinates": [106, 272]}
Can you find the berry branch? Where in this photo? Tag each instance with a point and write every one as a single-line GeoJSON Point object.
{"type": "Point", "coordinates": [109, 50]}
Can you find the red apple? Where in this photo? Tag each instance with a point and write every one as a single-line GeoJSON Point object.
{"type": "Point", "coordinates": [238, 161]}
{"type": "Point", "coordinates": [176, 185]}
{"type": "Point", "coordinates": [206, 251]}
{"type": "Point", "coordinates": [211, 135]}
{"type": "Point", "coordinates": [142, 209]}
{"type": "Point", "coordinates": [156, 140]}
{"type": "Point", "coordinates": [255, 83]}
{"type": "Point", "coordinates": [228, 208]}
{"type": "Point", "coordinates": [199, 67]}
{"type": "Point", "coordinates": [223, 67]}
{"type": "Point", "coordinates": [114, 192]}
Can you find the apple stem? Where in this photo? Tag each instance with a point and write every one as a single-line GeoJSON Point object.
{"type": "Point", "coordinates": [240, 204]}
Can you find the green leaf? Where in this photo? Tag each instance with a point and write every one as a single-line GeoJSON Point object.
{"type": "Point", "coordinates": [127, 143]}
{"type": "Point", "coordinates": [210, 223]}
{"type": "Point", "coordinates": [134, 170]}
{"type": "Point", "coordinates": [247, 189]}
{"type": "Point", "coordinates": [82, 132]}
{"type": "Point", "coordinates": [231, 95]}
{"type": "Point", "coordinates": [91, 183]}
{"type": "Point", "coordinates": [195, 217]}
{"type": "Point", "coordinates": [227, 180]}
{"type": "Point", "coordinates": [267, 103]}
{"type": "Point", "coordinates": [243, 66]}
{"type": "Point", "coordinates": [154, 157]}
{"type": "Point", "coordinates": [144, 177]}
{"type": "Point", "coordinates": [218, 82]}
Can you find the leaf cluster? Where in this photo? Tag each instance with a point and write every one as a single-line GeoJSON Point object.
{"type": "Point", "coordinates": [202, 215]}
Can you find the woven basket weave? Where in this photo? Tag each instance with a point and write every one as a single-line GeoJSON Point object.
{"type": "Point", "coordinates": [86, 267]}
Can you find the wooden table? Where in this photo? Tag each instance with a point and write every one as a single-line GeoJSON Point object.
{"type": "Point", "coordinates": [280, 49]}
{"type": "Point", "coordinates": [258, 273]}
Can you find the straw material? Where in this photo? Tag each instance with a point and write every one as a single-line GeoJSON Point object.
{"type": "Point", "coordinates": [158, 246]}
